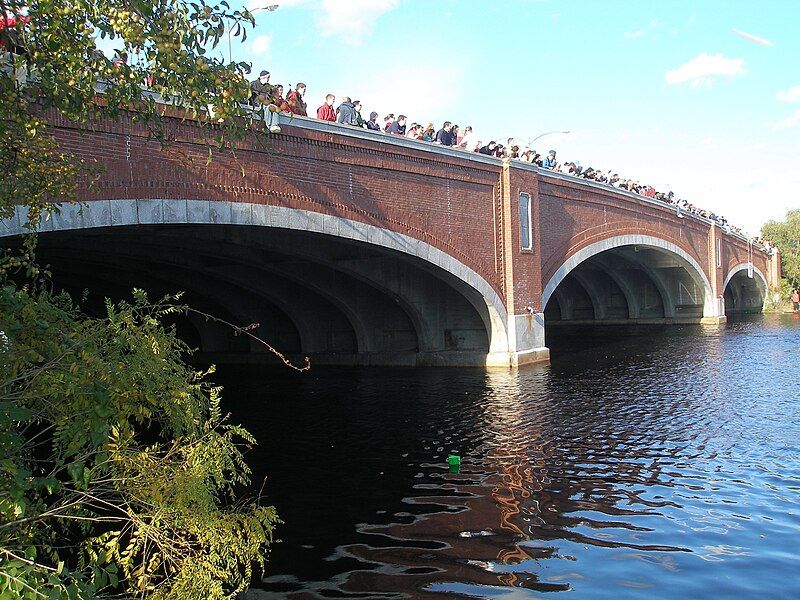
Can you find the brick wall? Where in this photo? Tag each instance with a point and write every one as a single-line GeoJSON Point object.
{"type": "Point", "coordinates": [448, 201]}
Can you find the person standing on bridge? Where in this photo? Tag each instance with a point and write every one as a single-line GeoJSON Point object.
{"type": "Point", "coordinates": [373, 124]}
{"type": "Point", "coordinates": [260, 89]}
{"type": "Point", "coordinates": [297, 106]}
{"type": "Point", "coordinates": [325, 112]}
{"type": "Point", "coordinates": [488, 149]}
{"type": "Point", "coordinates": [346, 112]}
{"type": "Point", "coordinates": [360, 122]}
{"type": "Point", "coordinates": [550, 161]}
{"type": "Point", "coordinates": [796, 300]}
{"type": "Point", "coordinates": [398, 127]}
{"type": "Point", "coordinates": [445, 135]}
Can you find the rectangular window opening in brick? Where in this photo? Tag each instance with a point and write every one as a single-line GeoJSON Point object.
{"type": "Point", "coordinates": [525, 227]}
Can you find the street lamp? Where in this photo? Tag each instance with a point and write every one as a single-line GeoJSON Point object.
{"type": "Point", "coordinates": [270, 8]}
{"type": "Point", "coordinates": [541, 135]}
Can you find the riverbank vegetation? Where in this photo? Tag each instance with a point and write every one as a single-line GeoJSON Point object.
{"type": "Point", "coordinates": [117, 467]}
{"type": "Point", "coordinates": [786, 235]}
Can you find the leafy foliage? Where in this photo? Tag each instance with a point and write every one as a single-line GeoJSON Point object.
{"type": "Point", "coordinates": [786, 235]}
{"type": "Point", "coordinates": [108, 437]}
{"type": "Point", "coordinates": [117, 468]}
{"type": "Point", "coordinates": [165, 42]}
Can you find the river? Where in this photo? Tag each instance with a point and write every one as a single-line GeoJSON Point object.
{"type": "Point", "coordinates": [639, 463]}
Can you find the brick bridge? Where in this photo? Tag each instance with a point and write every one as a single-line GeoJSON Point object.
{"type": "Point", "coordinates": [360, 248]}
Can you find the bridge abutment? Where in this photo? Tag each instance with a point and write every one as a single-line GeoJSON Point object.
{"type": "Point", "coordinates": [526, 342]}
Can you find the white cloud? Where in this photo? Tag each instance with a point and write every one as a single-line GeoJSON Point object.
{"type": "Point", "coordinates": [650, 27]}
{"type": "Point", "coordinates": [704, 69]}
{"type": "Point", "coordinates": [754, 147]}
{"type": "Point", "coordinates": [752, 38]}
{"type": "Point", "coordinates": [413, 96]}
{"type": "Point", "coordinates": [352, 19]}
{"type": "Point", "coordinates": [261, 45]}
{"type": "Point", "coordinates": [789, 95]}
{"type": "Point", "coordinates": [349, 19]}
{"type": "Point", "coordinates": [791, 121]}
{"type": "Point", "coordinates": [258, 4]}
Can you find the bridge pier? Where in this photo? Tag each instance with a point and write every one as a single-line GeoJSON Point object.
{"type": "Point", "coordinates": [525, 343]}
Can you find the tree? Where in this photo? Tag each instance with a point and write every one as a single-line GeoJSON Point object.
{"type": "Point", "coordinates": [786, 235]}
{"type": "Point", "coordinates": [117, 468]}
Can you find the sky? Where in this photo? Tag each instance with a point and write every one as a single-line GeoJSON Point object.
{"type": "Point", "coordinates": [701, 98]}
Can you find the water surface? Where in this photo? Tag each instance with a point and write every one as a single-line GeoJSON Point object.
{"type": "Point", "coordinates": [640, 463]}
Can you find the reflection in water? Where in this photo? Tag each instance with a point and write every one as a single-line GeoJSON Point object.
{"type": "Point", "coordinates": [663, 463]}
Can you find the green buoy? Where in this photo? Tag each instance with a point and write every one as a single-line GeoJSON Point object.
{"type": "Point", "coordinates": [454, 462]}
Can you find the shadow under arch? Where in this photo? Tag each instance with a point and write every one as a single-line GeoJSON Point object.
{"type": "Point", "coordinates": [749, 295]}
{"type": "Point", "coordinates": [105, 214]}
{"type": "Point", "coordinates": [690, 265]}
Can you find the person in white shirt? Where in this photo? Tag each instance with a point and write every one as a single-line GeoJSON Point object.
{"type": "Point", "coordinates": [469, 140]}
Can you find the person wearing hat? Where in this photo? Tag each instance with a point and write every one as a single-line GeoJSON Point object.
{"type": "Point", "coordinates": [373, 124]}
{"type": "Point", "coordinates": [550, 161]}
{"type": "Point", "coordinates": [260, 89]}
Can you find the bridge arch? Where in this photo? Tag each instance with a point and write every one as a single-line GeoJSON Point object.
{"type": "Point", "coordinates": [651, 247]}
{"type": "Point", "coordinates": [744, 294]}
{"type": "Point", "coordinates": [118, 215]}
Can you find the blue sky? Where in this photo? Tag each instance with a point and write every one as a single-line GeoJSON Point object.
{"type": "Point", "coordinates": [702, 98]}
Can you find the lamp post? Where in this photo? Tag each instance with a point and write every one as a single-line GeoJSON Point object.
{"type": "Point", "coordinates": [541, 135]}
{"type": "Point", "coordinates": [270, 8]}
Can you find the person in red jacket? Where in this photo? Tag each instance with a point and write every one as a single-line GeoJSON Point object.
{"type": "Point", "coordinates": [326, 112]}
{"type": "Point", "coordinates": [11, 32]}
{"type": "Point", "coordinates": [297, 106]}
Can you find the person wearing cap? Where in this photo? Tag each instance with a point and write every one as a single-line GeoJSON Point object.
{"type": "Point", "coordinates": [260, 89]}
{"type": "Point", "coordinates": [550, 161]}
{"type": "Point", "coordinates": [373, 124]}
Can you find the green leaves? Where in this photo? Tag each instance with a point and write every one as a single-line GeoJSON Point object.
{"type": "Point", "coordinates": [114, 454]}
{"type": "Point", "coordinates": [786, 235]}
{"type": "Point", "coordinates": [118, 451]}
{"type": "Point", "coordinates": [14, 412]}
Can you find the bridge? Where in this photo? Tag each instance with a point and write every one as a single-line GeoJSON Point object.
{"type": "Point", "coordinates": [353, 247]}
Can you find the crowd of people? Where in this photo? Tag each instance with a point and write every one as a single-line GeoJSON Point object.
{"type": "Point", "coordinates": [348, 112]}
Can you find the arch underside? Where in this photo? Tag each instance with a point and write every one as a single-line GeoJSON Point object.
{"type": "Point", "coordinates": [626, 283]}
{"type": "Point", "coordinates": [745, 290]}
{"type": "Point", "coordinates": [336, 300]}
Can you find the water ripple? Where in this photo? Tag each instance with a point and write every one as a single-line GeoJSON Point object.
{"type": "Point", "coordinates": [665, 463]}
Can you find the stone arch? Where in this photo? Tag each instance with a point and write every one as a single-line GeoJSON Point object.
{"type": "Point", "coordinates": [111, 213]}
{"type": "Point", "coordinates": [756, 271]}
{"type": "Point", "coordinates": [711, 307]}
{"type": "Point", "coordinates": [744, 297]}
